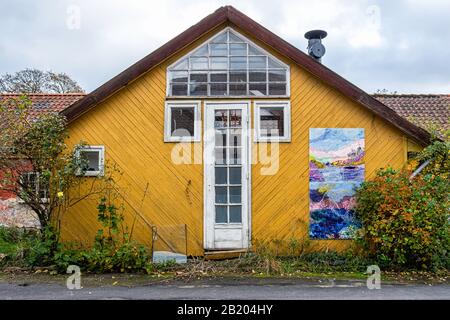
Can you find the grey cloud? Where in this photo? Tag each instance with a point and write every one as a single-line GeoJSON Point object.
{"type": "Point", "coordinates": [115, 34]}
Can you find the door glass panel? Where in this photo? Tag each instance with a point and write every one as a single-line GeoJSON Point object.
{"type": "Point", "coordinates": [235, 194]}
{"type": "Point", "coordinates": [228, 169]}
{"type": "Point", "coordinates": [221, 138]}
{"type": "Point", "coordinates": [235, 138]}
{"type": "Point", "coordinates": [221, 175]}
{"type": "Point", "coordinates": [221, 195]}
{"type": "Point", "coordinates": [235, 214]}
{"type": "Point", "coordinates": [235, 175]}
{"type": "Point", "coordinates": [235, 156]}
{"type": "Point", "coordinates": [221, 214]}
{"type": "Point", "coordinates": [221, 119]}
{"type": "Point", "coordinates": [220, 155]}
{"type": "Point", "coordinates": [235, 118]}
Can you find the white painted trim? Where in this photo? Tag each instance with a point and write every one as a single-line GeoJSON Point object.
{"type": "Point", "coordinates": [101, 159]}
{"type": "Point", "coordinates": [265, 52]}
{"type": "Point", "coordinates": [196, 104]}
{"type": "Point", "coordinates": [208, 238]}
{"type": "Point", "coordinates": [287, 120]}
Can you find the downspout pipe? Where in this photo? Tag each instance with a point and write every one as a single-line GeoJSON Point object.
{"type": "Point", "coordinates": [420, 168]}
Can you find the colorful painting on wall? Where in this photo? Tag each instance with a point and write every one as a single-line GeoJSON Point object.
{"type": "Point", "coordinates": [336, 168]}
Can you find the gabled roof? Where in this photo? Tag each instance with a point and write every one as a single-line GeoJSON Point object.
{"type": "Point", "coordinates": [420, 108]}
{"type": "Point", "coordinates": [237, 18]}
{"type": "Point", "coordinates": [43, 103]}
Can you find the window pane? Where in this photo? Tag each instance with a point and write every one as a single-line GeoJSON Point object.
{"type": "Point", "coordinates": [235, 214]}
{"type": "Point", "coordinates": [237, 63]}
{"type": "Point", "coordinates": [221, 175]}
{"type": "Point", "coordinates": [202, 51]}
{"type": "Point", "coordinates": [221, 119]}
{"type": "Point", "coordinates": [235, 138]}
{"type": "Point", "coordinates": [238, 89]}
{"type": "Point", "coordinates": [218, 77]}
{"type": "Point", "coordinates": [235, 194]}
{"type": "Point", "coordinates": [257, 75]}
{"type": "Point", "coordinates": [238, 49]}
{"type": "Point", "coordinates": [238, 76]}
{"type": "Point", "coordinates": [257, 62]}
{"type": "Point", "coordinates": [220, 155]}
{"type": "Point", "coordinates": [235, 156]}
{"type": "Point", "coordinates": [179, 89]}
{"type": "Point", "coordinates": [182, 121]}
{"type": "Point", "coordinates": [221, 195]}
{"type": "Point", "coordinates": [235, 38]}
{"type": "Point", "coordinates": [277, 89]}
{"type": "Point", "coordinates": [221, 214]}
{"type": "Point", "coordinates": [253, 51]}
{"type": "Point", "coordinates": [219, 63]}
{"type": "Point", "coordinates": [182, 65]}
{"type": "Point", "coordinates": [218, 89]}
{"type": "Point", "coordinates": [274, 64]}
{"type": "Point", "coordinates": [198, 77]}
{"type": "Point", "coordinates": [235, 175]}
{"type": "Point", "coordinates": [235, 118]}
{"type": "Point", "coordinates": [218, 49]}
{"type": "Point", "coordinates": [257, 89]}
{"type": "Point", "coordinates": [221, 138]}
{"type": "Point", "coordinates": [199, 63]}
{"type": "Point", "coordinates": [277, 75]}
{"type": "Point", "coordinates": [271, 121]}
{"type": "Point", "coordinates": [178, 76]}
{"type": "Point", "coordinates": [92, 159]}
{"type": "Point", "coordinates": [198, 89]}
{"type": "Point", "coordinates": [220, 38]}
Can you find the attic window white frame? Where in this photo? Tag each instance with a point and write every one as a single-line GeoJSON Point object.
{"type": "Point", "coordinates": [286, 106]}
{"type": "Point", "coordinates": [168, 121]}
{"type": "Point", "coordinates": [228, 82]}
{"type": "Point", "coordinates": [101, 160]}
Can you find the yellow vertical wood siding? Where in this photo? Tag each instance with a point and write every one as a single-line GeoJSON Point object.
{"type": "Point", "coordinates": [130, 124]}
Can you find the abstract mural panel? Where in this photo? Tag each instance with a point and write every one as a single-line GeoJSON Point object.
{"type": "Point", "coordinates": [336, 168]}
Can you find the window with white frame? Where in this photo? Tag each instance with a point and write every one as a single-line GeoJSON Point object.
{"type": "Point", "coordinates": [33, 184]}
{"type": "Point", "coordinates": [182, 121]}
{"type": "Point", "coordinates": [93, 160]}
{"type": "Point", "coordinates": [272, 121]}
{"type": "Point", "coordinates": [228, 65]}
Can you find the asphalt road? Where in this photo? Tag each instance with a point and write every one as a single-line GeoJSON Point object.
{"type": "Point", "coordinates": [228, 289]}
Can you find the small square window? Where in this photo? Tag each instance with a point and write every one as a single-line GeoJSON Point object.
{"type": "Point", "coordinates": [182, 121]}
{"type": "Point", "coordinates": [93, 159]}
{"type": "Point", "coordinates": [272, 121]}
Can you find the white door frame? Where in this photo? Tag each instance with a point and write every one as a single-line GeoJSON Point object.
{"type": "Point", "coordinates": [208, 219]}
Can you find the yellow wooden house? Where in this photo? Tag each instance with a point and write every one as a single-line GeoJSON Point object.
{"type": "Point", "coordinates": [219, 136]}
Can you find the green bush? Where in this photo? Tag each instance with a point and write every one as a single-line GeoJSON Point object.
{"type": "Point", "coordinates": [405, 222]}
{"type": "Point", "coordinates": [112, 251]}
{"type": "Point", "coordinates": [27, 248]}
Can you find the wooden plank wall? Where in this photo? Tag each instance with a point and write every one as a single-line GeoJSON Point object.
{"type": "Point", "coordinates": [130, 125]}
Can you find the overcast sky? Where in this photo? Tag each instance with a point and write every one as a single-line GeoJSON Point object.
{"type": "Point", "coordinates": [400, 45]}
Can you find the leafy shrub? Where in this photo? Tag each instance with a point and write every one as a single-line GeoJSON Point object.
{"type": "Point", "coordinates": [111, 252]}
{"type": "Point", "coordinates": [405, 222]}
{"type": "Point", "coordinates": [27, 248]}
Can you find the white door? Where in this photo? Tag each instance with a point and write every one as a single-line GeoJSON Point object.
{"type": "Point", "coordinates": [226, 169]}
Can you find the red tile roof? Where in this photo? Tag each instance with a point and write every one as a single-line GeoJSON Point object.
{"type": "Point", "coordinates": [420, 108]}
{"type": "Point", "coordinates": [46, 102]}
